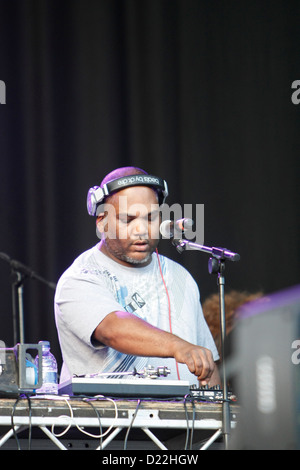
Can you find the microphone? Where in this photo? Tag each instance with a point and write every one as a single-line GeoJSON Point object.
{"type": "Point", "coordinates": [168, 228]}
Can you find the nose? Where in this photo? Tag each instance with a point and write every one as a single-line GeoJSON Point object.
{"type": "Point", "coordinates": [141, 228]}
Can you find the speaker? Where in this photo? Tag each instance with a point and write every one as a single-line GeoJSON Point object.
{"type": "Point", "coordinates": [266, 351]}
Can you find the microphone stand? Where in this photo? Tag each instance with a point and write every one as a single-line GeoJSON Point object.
{"type": "Point", "coordinates": [216, 265]}
{"type": "Point", "coordinates": [19, 273]}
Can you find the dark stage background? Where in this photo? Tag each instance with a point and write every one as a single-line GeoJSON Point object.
{"type": "Point", "coordinates": [197, 92]}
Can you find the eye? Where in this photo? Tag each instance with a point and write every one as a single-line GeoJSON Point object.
{"type": "Point", "coordinates": [152, 217]}
{"type": "Point", "coordinates": [126, 219]}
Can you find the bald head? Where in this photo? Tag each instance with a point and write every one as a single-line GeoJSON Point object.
{"type": "Point", "coordinates": [120, 172]}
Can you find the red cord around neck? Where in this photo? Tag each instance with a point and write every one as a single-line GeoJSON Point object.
{"type": "Point", "coordinates": [169, 305]}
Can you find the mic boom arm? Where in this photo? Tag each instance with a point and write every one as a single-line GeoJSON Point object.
{"type": "Point", "coordinates": [219, 253]}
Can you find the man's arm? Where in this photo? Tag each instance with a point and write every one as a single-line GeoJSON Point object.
{"type": "Point", "coordinates": [129, 334]}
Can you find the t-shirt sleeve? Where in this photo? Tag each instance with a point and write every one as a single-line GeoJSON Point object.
{"type": "Point", "coordinates": [82, 301]}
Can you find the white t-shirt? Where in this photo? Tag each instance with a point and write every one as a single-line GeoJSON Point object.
{"type": "Point", "coordinates": [95, 285]}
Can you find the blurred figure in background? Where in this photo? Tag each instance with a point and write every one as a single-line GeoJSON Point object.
{"type": "Point", "coordinates": [211, 310]}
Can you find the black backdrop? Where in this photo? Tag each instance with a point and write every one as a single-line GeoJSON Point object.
{"type": "Point", "coordinates": [197, 92]}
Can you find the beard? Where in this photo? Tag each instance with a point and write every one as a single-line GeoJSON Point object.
{"type": "Point", "coordinates": [130, 260]}
{"type": "Point", "coordinates": [115, 248]}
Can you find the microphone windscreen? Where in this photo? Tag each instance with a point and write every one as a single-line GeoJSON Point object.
{"type": "Point", "coordinates": [166, 229]}
{"type": "Point", "coordinates": [184, 224]}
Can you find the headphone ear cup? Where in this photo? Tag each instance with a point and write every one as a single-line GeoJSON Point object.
{"type": "Point", "coordinates": [93, 200]}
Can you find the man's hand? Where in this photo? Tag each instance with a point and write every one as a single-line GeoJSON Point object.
{"type": "Point", "coordinates": [199, 361]}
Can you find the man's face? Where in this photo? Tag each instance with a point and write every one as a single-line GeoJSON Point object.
{"type": "Point", "coordinates": [130, 227]}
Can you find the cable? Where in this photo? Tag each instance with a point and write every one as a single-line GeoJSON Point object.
{"type": "Point", "coordinates": [187, 423]}
{"type": "Point", "coordinates": [131, 424]}
{"type": "Point", "coordinates": [62, 416]}
{"type": "Point", "coordinates": [73, 420]}
{"type": "Point", "coordinates": [30, 427]}
{"type": "Point", "coordinates": [110, 427]}
{"type": "Point", "coordinates": [88, 400]}
{"type": "Point", "coordinates": [169, 305]}
{"type": "Point", "coordinates": [193, 425]}
{"type": "Point", "coordinates": [13, 424]}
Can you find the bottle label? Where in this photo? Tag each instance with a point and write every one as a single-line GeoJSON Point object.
{"type": "Point", "coordinates": [50, 377]}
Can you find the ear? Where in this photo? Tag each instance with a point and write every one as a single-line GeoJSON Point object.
{"type": "Point", "coordinates": [101, 222]}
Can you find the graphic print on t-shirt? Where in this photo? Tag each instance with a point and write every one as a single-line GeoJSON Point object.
{"type": "Point", "coordinates": [137, 302]}
{"type": "Point", "coordinates": [130, 304]}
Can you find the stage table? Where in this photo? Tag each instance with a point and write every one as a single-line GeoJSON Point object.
{"type": "Point", "coordinates": [102, 419]}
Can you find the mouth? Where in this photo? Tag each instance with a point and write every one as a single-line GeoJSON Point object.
{"type": "Point", "coordinates": [141, 245]}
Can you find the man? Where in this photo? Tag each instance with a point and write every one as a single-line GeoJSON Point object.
{"type": "Point", "coordinates": [121, 305]}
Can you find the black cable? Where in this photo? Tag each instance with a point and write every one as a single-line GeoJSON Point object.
{"type": "Point", "coordinates": [13, 424]}
{"type": "Point", "coordinates": [30, 427]}
{"type": "Point", "coordinates": [87, 400]}
{"type": "Point", "coordinates": [130, 426]}
{"type": "Point", "coordinates": [193, 425]}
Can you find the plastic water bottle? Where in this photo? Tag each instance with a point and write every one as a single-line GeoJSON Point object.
{"type": "Point", "coordinates": [49, 370]}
